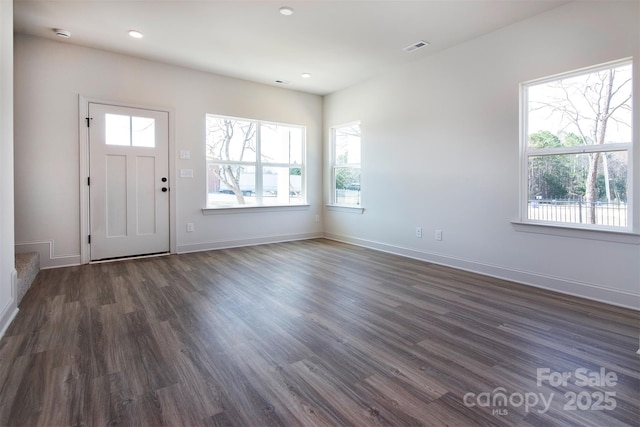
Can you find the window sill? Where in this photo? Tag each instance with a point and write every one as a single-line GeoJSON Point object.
{"type": "Point", "coordinates": [253, 209]}
{"type": "Point", "coordinates": [344, 208]}
{"type": "Point", "coordinates": [578, 233]}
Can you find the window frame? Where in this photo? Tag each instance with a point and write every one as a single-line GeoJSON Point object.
{"type": "Point", "coordinates": [334, 166]}
{"type": "Point", "coordinates": [526, 152]}
{"type": "Point", "coordinates": [259, 165]}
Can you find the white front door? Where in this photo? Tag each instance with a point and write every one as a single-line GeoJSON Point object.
{"type": "Point", "coordinates": [128, 181]}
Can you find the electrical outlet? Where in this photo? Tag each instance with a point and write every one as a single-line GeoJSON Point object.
{"type": "Point", "coordinates": [438, 235]}
{"type": "Point", "coordinates": [418, 232]}
{"type": "Point", "coordinates": [317, 218]}
{"type": "Point", "coordinates": [189, 227]}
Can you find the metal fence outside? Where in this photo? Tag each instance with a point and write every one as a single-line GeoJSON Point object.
{"type": "Point", "coordinates": [612, 214]}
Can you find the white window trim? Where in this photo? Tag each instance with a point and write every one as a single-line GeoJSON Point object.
{"type": "Point", "coordinates": [627, 234]}
{"type": "Point", "coordinates": [333, 205]}
{"type": "Point", "coordinates": [259, 166]}
{"type": "Point", "coordinates": [561, 229]}
{"type": "Point", "coordinates": [346, 208]}
{"type": "Point", "coordinates": [253, 209]}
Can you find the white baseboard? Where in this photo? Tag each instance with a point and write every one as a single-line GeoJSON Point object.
{"type": "Point", "coordinates": [48, 258]}
{"type": "Point", "coordinates": [14, 284]}
{"type": "Point", "coordinates": [557, 284]}
{"type": "Point", "coordinates": [226, 244]}
{"type": "Point", "coordinates": [9, 311]}
{"type": "Point", "coordinates": [584, 290]}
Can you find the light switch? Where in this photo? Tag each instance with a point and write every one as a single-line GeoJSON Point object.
{"type": "Point", "coordinates": [185, 154]}
{"type": "Point", "coordinates": [186, 173]}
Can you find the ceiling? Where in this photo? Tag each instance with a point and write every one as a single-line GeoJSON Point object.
{"type": "Point", "coordinates": [340, 43]}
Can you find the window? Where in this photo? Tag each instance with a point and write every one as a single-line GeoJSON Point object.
{"type": "Point", "coordinates": [130, 130]}
{"type": "Point", "coordinates": [576, 148]}
{"type": "Point", "coordinates": [346, 165]}
{"type": "Point", "coordinates": [252, 163]}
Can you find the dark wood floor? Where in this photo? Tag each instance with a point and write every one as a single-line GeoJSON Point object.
{"type": "Point", "coordinates": [309, 333]}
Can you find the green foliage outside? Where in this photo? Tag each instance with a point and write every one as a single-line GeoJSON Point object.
{"type": "Point", "coordinates": [346, 176]}
{"type": "Point", "coordinates": [564, 176]}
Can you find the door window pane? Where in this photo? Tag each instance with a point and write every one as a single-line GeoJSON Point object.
{"type": "Point", "coordinates": [117, 129]}
{"type": "Point", "coordinates": [127, 130]}
{"type": "Point", "coordinates": [143, 132]}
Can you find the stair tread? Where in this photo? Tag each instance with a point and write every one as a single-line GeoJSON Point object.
{"type": "Point", "coordinates": [27, 267]}
{"type": "Point", "coordinates": [26, 262]}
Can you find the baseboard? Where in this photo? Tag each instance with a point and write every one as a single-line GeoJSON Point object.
{"type": "Point", "coordinates": [14, 283]}
{"type": "Point", "coordinates": [48, 259]}
{"type": "Point", "coordinates": [227, 244]}
{"type": "Point", "coordinates": [9, 311]}
{"type": "Point", "coordinates": [556, 284]}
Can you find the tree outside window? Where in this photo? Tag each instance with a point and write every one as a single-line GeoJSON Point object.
{"type": "Point", "coordinates": [577, 139]}
{"type": "Point", "coordinates": [346, 146]}
{"type": "Point", "coordinates": [253, 163]}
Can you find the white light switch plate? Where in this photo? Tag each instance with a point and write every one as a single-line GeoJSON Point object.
{"type": "Point", "coordinates": [186, 173]}
{"type": "Point", "coordinates": [185, 154]}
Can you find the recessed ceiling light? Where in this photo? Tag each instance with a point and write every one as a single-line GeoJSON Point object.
{"type": "Point", "coordinates": [305, 75]}
{"type": "Point", "coordinates": [62, 33]}
{"type": "Point", "coordinates": [135, 34]}
{"type": "Point", "coordinates": [286, 10]}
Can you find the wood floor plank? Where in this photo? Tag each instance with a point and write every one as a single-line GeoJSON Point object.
{"type": "Point", "coordinates": [111, 399]}
{"type": "Point", "coordinates": [344, 402]}
{"type": "Point", "coordinates": [304, 408]}
{"type": "Point", "coordinates": [29, 395]}
{"type": "Point", "coordinates": [313, 333]}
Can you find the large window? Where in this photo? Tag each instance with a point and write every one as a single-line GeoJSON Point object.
{"type": "Point", "coordinates": [346, 165]}
{"type": "Point", "coordinates": [576, 148]}
{"type": "Point", "coordinates": [254, 163]}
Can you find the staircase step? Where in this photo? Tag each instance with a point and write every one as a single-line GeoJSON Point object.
{"type": "Point", "coordinates": [27, 266]}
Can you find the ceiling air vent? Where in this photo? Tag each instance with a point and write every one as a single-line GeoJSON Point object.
{"type": "Point", "coordinates": [416, 46]}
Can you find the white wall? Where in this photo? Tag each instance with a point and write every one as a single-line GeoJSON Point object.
{"type": "Point", "coordinates": [8, 307]}
{"type": "Point", "coordinates": [50, 76]}
{"type": "Point", "coordinates": [440, 151]}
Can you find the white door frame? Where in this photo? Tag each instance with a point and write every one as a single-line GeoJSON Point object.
{"type": "Point", "coordinates": [83, 133]}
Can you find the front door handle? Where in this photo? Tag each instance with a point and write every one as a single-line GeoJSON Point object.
{"type": "Point", "coordinates": [165, 189]}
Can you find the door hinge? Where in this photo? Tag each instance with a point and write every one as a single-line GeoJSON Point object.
{"type": "Point", "coordinates": [89, 238]}
{"type": "Point", "coordinates": [88, 119]}
{"type": "Point", "coordinates": [88, 180]}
